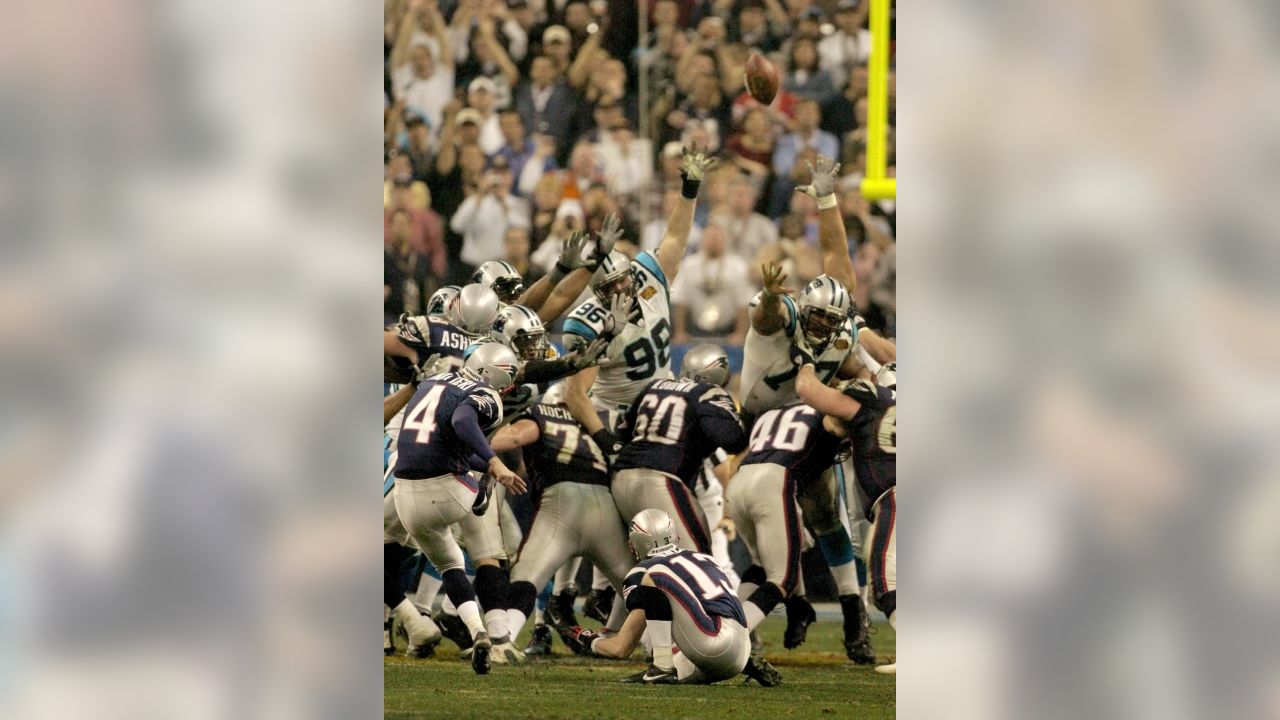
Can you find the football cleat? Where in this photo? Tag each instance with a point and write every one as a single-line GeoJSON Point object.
{"type": "Point", "coordinates": [759, 669]}
{"type": "Point", "coordinates": [560, 610]}
{"type": "Point", "coordinates": [599, 604]}
{"type": "Point", "coordinates": [857, 641]}
{"type": "Point", "coordinates": [653, 675]}
{"type": "Point", "coordinates": [454, 629]}
{"type": "Point", "coordinates": [539, 642]}
{"type": "Point", "coordinates": [800, 616]}
{"type": "Point", "coordinates": [890, 669]}
{"type": "Point", "coordinates": [505, 653]}
{"type": "Point", "coordinates": [480, 653]}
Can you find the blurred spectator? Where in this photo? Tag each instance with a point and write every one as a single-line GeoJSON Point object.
{"type": "Point", "coordinates": [568, 218]}
{"type": "Point", "coordinates": [546, 104]}
{"type": "Point", "coordinates": [519, 150]}
{"type": "Point", "coordinates": [625, 160]}
{"type": "Point", "coordinates": [850, 45]}
{"type": "Point", "coordinates": [800, 260]}
{"type": "Point", "coordinates": [484, 50]}
{"type": "Point", "coordinates": [480, 97]}
{"type": "Point", "coordinates": [751, 149]}
{"type": "Point", "coordinates": [838, 112]}
{"type": "Point", "coordinates": [701, 118]}
{"type": "Point", "coordinates": [424, 234]}
{"type": "Point", "coordinates": [516, 247]}
{"type": "Point", "coordinates": [584, 168]}
{"type": "Point", "coordinates": [656, 228]}
{"type": "Point", "coordinates": [756, 30]}
{"type": "Point", "coordinates": [710, 295]}
{"type": "Point", "coordinates": [406, 274]}
{"type": "Point", "coordinates": [804, 77]}
{"type": "Point", "coordinates": [557, 45]}
{"type": "Point", "coordinates": [418, 146]}
{"type": "Point", "coordinates": [490, 208]}
{"type": "Point", "coordinates": [420, 76]}
{"type": "Point", "coordinates": [578, 19]}
{"type": "Point", "coordinates": [546, 200]}
{"type": "Point", "coordinates": [470, 126]}
{"type": "Point", "coordinates": [865, 263]}
{"type": "Point", "coordinates": [794, 150]}
{"type": "Point", "coordinates": [748, 230]}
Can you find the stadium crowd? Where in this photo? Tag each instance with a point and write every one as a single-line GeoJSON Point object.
{"type": "Point", "coordinates": [509, 124]}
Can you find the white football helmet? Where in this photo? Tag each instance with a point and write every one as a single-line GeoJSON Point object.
{"type": "Point", "coordinates": [520, 329]}
{"type": "Point", "coordinates": [494, 364]}
{"type": "Point", "coordinates": [440, 300]}
{"type": "Point", "coordinates": [706, 363]}
{"type": "Point", "coordinates": [501, 277]}
{"type": "Point", "coordinates": [474, 309]}
{"type": "Point", "coordinates": [823, 305]}
{"type": "Point", "coordinates": [651, 533]}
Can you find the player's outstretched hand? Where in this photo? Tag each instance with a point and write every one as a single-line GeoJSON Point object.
{"type": "Point", "coordinates": [571, 253]}
{"type": "Point", "coordinates": [822, 178]}
{"type": "Point", "coordinates": [609, 235]}
{"type": "Point", "coordinates": [578, 639]}
{"type": "Point", "coordinates": [589, 355]}
{"type": "Point", "coordinates": [503, 474]}
{"type": "Point", "coordinates": [774, 279]}
{"type": "Point", "coordinates": [694, 164]}
{"type": "Point", "coordinates": [616, 319]}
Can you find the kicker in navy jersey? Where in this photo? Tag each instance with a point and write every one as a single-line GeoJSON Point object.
{"type": "Point", "coordinates": [428, 446]}
{"type": "Point", "coordinates": [676, 424]}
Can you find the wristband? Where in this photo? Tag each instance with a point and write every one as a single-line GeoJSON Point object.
{"type": "Point", "coordinates": [826, 202]}
{"type": "Point", "coordinates": [558, 272]}
{"type": "Point", "coordinates": [593, 646]}
{"type": "Point", "coordinates": [689, 188]}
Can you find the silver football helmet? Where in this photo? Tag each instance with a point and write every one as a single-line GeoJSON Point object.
{"type": "Point", "coordinates": [823, 306]}
{"type": "Point", "coordinates": [474, 309]}
{"type": "Point", "coordinates": [501, 277]}
{"type": "Point", "coordinates": [520, 329]}
{"type": "Point", "coordinates": [614, 277]}
{"type": "Point", "coordinates": [494, 364]}
{"type": "Point", "coordinates": [651, 532]}
{"type": "Point", "coordinates": [554, 394]}
{"type": "Point", "coordinates": [440, 300]}
{"type": "Point", "coordinates": [706, 363]}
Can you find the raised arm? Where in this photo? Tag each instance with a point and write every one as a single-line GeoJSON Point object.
{"type": "Point", "coordinates": [400, 49]}
{"type": "Point", "coordinates": [577, 270]}
{"type": "Point", "coordinates": [693, 168]}
{"type": "Point", "coordinates": [500, 56]}
{"type": "Point", "coordinates": [570, 265]}
{"type": "Point", "coordinates": [440, 31]}
{"type": "Point", "coordinates": [826, 400]}
{"type": "Point", "coordinates": [516, 435]}
{"type": "Point", "coordinates": [771, 314]}
{"type": "Point", "coordinates": [586, 61]}
{"type": "Point", "coordinates": [831, 233]}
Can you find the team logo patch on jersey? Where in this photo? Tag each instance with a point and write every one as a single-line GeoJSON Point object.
{"type": "Point", "coordinates": [648, 292]}
{"type": "Point", "coordinates": [842, 344]}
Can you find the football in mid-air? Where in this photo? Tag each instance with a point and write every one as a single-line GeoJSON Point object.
{"type": "Point", "coordinates": [761, 78]}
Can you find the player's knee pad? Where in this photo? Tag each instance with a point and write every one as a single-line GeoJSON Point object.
{"type": "Point", "coordinates": [653, 601]}
{"type": "Point", "coordinates": [755, 575]}
{"type": "Point", "coordinates": [491, 587]}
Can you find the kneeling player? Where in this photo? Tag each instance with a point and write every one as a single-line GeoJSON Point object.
{"type": "Point", "coordinates": [683, 599]}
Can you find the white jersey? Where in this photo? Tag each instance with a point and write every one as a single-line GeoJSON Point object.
{"type": "Point", "coordinates": [768, 369]}
{"type": "Point", "coordinates": [642, 352]}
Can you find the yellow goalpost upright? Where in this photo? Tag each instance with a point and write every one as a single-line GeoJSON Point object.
{"type": "Point", "coordinates": [875, 186]}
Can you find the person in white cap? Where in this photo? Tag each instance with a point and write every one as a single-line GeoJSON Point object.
{"type": "Point", "coordinates": [480, 97]}
{"type": "Point", "coordinates": [423, 79]}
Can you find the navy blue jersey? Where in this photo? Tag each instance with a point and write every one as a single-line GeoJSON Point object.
{"type": "Point", "coordinates": [430, 335]}
{"type": "Point", "coordinates": [564, 451]}
{"type": "Point", "coordinates": [676, 424]}
{"type": "Point", "coordinates": [428, 446]}
{"type": "Point", "coordinates": [873, 431]}
{"type": "Point", "coordinates": [793, 436]}
{"type": "Point", "coordinates": [694, 582]}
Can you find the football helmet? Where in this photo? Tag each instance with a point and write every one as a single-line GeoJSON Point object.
{"type": "Point", "coordinates": [520, 329]}
{"type": "Point", "coordinates": [823, 307]}
{"type": "Point", "coordinates": [887, 375]}
{"type": "Point", "coordinates": [501, 277]}
{"type": "Point", "coordinates": [474, 309]}
{"type": "Point", "coordinates": [554, 394]}
{"type": "Point", "coordinates": [651, 533]}
{"type": "Point", "coordinates": [440, 300]}
{"type": "Point", "coordinates": [706, 363]}
{"type": "Point", "coordinates": [494, 364]}
{"type": "Point", "coordinates": [614, 278]}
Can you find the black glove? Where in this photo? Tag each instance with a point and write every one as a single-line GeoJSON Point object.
{"type": "Point", "coordinates": [800, 358]}
{"type": "Point", "coordinates": [608, 442]}
{"type": "Point", "coordinates": [578, 639]}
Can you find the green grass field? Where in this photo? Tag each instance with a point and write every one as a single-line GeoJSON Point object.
{"type": "Point", "coordinates": [818, 681]}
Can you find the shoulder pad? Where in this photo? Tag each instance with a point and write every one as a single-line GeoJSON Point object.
{"type": "Point", "coordinates": [649, 263]}
{"type": "Point", "coordinates": [412, 331]}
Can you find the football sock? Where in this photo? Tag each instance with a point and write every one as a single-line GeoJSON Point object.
{"type": "Point", "coordinates": [751, 580]}
{"type": "Point", "coordinates": [837, 549]}
{"type": "Point", "coordinates": [491, 590]}
{"type": "Point", "coordinates": [761, 603]}
{"type": "Point", "coordinates": [394, 556]}
{"type": "Point", "coordinates": [428, 588]}
{"type": "Point", "coordinates": [462, 597]}
{"type": "Point", "coordinates": [660, 634]}
{"type": "Point", "coordinates": [567, 576]}
{"type": "Point", "coordinates": [515, 622]}
{"type": "Point", "coordinates": [657, 613]}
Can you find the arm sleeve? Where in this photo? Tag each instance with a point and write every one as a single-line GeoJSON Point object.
{"type": "Point", "coordinates": [466, 425]}
{"type": "Point", "coordinates": [720, 421]}
{"type": "Point", "coordinates": [537, 372]}
{"type": "Point", "coordinates": [477, 464]}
